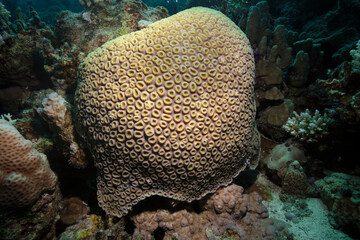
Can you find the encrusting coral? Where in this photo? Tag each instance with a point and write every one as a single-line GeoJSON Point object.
{"type": "Point", "coordinates": [24, 172]}
{"type": "Point", "coordinates": [308, 128]}
{"type": "Point", "coordinates": [341, 194]}
{"type": "Point", "coordinates": [169, 110]}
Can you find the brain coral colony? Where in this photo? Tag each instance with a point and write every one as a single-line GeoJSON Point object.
{"type": "Point", "coordinates": [169, 110]}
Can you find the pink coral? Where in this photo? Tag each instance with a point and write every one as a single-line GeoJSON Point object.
{"type": "Point", "coordinates": [24, 172]}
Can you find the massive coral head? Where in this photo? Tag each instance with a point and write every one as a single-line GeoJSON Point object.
{"type": "Point", "coordinates": [169, 110]}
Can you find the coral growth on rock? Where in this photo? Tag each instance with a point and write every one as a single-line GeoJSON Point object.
{"type": "Point", "coordinates": [102, 22]}
{"type": "Point", "coordinates": [37, 221]}
{"type": "Point", "coordinates": [227, 212]}
{"type": "Point", "coordinates": [344, 85]}
{"type": "Point", "coordinates": [72, 210]}
{"type": "Point", "coordinates": [341, 193]}
{"type": "Point", "coordinates": [61, 64]}
{"type": "Point", "coordinates": [169, 110]}
{"type": "Point", "coordinates": [56, 111]}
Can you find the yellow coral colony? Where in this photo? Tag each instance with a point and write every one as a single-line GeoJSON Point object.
{"type": "Point", "coordinates": [169, 110]}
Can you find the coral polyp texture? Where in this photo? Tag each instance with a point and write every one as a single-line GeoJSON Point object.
{"type": "Point", "coordinates": [169, 110]}
{"type": "Point", "coordinates": [24, 172]}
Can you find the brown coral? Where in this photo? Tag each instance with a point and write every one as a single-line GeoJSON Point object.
{"type": "Point", "coordinates": [169, 110]}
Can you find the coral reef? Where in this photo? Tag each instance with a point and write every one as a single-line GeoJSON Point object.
{"type": "Point", "coordinates": [295, 181]}
{"type": "Point", "coordinates": [29, 193]}
{"type": "Point", "coordinates": [341, 193]}
{"type": "Point", "coordinates": [343, 85]}
{"type": "Point", "coordinates": [185, 114]}
{"type": "Point", "coordinates": [88, 3]}
{"type": "Point", "coordinates": [4, 21]}
{"type": "Point", "coordinates": [286, 62]}
{"type": "Point", "coordinates": [284, 166]}
{"type": "Point", "coordinates": [56, 112]}
{"type": "Point", "coordinates": [355, 54]}
{"type": "Point", "coordinates": [61, 64]}
{"type": "Point", "coordinates": [227, 212]}
{"type": "Point", "coordinates": [85, 229]}
{"type": "Point", "coordinates": [46, 58]}
{"type": "Point", "coordinates": [38, 221]}
{"type": "Point", "coordinates": [24, 172]}
{"type": "Point", "coordinates": [308, 128]}
{"type": "Point", "coordinates": [173, 114]}
{"type": "Point", "coordinates": [103, 21]}
{"type": "Point", "coordinates": [20, 64]}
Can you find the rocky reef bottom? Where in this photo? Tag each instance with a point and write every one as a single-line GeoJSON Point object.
{"type": "Point", "coordinates": [229, 213]}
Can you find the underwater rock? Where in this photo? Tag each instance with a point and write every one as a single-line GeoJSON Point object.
{"type": "Point", "coordinates": [227, 212]}
{"type": "Point", "coordinates": [341, 193]}
{"type": "Point", "coordinates": [280, 158]}
{"type": "Point", "coordinates": [295, 181]}
{"type": "Point", "coordinates": [55, 110]}
{"type": "Point", "coordinates": [169, 110]}
{"type": "Point", "coordinates": [34, 222]}
{"type": "Point", "coordinates": [72, 210]}
{"type": "Point", "coordinates": [88, 228]}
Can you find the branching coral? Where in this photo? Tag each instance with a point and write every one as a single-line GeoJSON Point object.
{"type": "Point", "coordinates": [308, 128]}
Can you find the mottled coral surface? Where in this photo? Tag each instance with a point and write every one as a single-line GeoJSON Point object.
{"type": "Point", "coordinates": [24, 172]}
{"type": "Point", "coordinates": [169, 110]}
